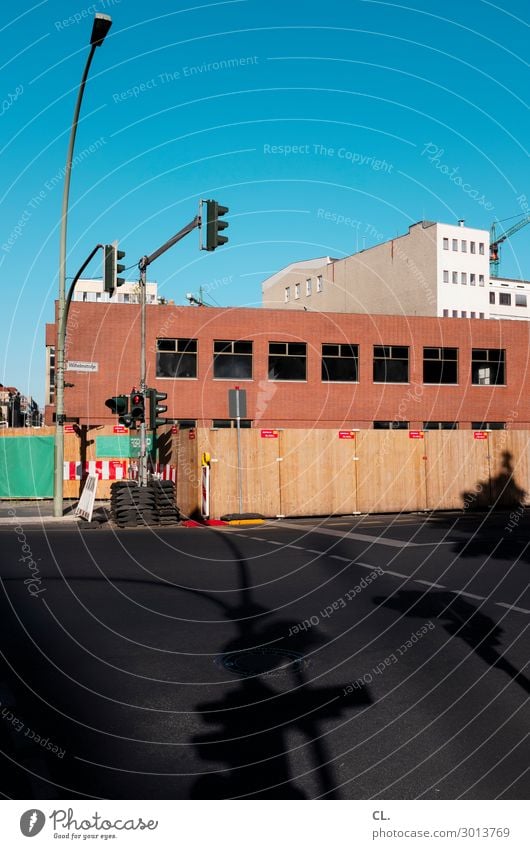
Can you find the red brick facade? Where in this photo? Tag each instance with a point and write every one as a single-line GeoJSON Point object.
{"type": "Point", "coordinates": [109, 335]}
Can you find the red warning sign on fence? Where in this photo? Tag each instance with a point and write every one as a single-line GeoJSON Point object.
{"type": "Point", "coordinates": [480, 434]}
{"type": "Point", "coordinates": [346, 434]}
{"type": "Point", "coordinates": [191, 433]}
{"type": "Point", "coordinates": [269, 434]}
{"type": "Point", "coordinates": [120, 429]}
{"type": "Point", "coordinates": [69, 428]}
{"type": "Point", "coordinates": [415, 434]}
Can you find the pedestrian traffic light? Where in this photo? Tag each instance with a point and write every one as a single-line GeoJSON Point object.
{"type": "Point", "coordinates": [119, 404]}
{"type": "Point", "coordinates": [112, 268]}
{"type": "Point", "coordinates": [213, 224]}
{"type": "Point", "coordinates": [137, 406]}
{"type": "Point", "coordinates": [155, 408]}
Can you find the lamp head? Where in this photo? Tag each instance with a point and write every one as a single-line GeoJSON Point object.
{"type": "Point", "coordinates": [102, 24]}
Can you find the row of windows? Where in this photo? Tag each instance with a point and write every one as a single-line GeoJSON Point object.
{"type": "Point", "coordinates": [505, 299]}
{"type": "Point", "coordinates": [464, 246]}
{"type": "Point", "coordinates": [104, 297]}
{"type": "Point", "coordinates": [308, 288]}
{"type": "Point", "coordinates": [232, 360]}
{"type": "Point", "coordinates": [464, 276]}
{"type": "Point", "coordinates": [462, 314]}
{"type": "Point", "coordinates": [186, 424]}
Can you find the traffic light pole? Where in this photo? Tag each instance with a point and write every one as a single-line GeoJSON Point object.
{"type": "Point", "coordinates": [142, 265]}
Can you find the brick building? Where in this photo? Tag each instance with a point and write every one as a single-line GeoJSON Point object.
{"type": "Point", "coordinates": [303, 369]}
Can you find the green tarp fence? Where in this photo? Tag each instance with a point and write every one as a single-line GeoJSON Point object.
{"type": "Point", "coordinates": [26, 466]}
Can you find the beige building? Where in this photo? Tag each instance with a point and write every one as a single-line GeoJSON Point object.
{"type": "Point", "coordinates": [433, 270]}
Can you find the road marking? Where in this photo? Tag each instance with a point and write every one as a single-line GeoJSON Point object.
{"type": "Point", "coordinates": [511, 607]}
{"type": "Point", "coordinates": [469, 595]}
{"type": "Point", "coordinates": [430, 584]}
{"type": "Point", "coordinates": [394, 574]}
{"type": "Point", "coordinates": [392, 543]}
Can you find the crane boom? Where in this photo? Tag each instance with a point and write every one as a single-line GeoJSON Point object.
{"type": "Point", "coordinates": [496, 241]}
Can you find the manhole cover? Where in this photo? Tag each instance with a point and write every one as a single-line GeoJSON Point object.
{"type": "Point", "coordinates": [263, 661]}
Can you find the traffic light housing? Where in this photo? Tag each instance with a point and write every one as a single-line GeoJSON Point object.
{"type": "Point", "coordinates": [155, 408]}
{"type": "Point", "coordinates": [137, 406]}
{"type": "Point", "coordinates": [119, 404]}
{"type": "Point", "coordinates": [214, 224]}
{"type": "Point", "coordinates": [112, 268]}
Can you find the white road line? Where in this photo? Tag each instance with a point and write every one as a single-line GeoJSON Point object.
{"type": "Point", "coordinates": [469, 595]}
{"type": "Point", "coordinates": [394, 574]}
{"type": "Point", "coordinates": [392, 543]}
{"type": "Point", "coordinates": [430, 584]}
{"type": "Point", "coordinates": [511, 607]}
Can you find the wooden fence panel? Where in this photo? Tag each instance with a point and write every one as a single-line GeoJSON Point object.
{"type": "Point", "coordinates": [317, 473]}
{"type": "Point", "coordinates": [509, 467]}
{"type": "Point", "coordinates": [390, 472]}
{"type": "Point", "coordinates": [458, 470]}
{"type": "Point", "coordinates": [184, 457]}
{"type": "Point", "coordinates": [260, 476]}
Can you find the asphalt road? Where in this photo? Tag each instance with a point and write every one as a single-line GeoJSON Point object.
{"type": "Point", "coordinates": [375, 657]}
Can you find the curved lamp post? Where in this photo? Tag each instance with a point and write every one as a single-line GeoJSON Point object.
{"type": "Point", "coordinates": [102, 24]}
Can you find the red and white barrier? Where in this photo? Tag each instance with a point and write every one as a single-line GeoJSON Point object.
{"type": "Point", "coordinates": [112, 470]}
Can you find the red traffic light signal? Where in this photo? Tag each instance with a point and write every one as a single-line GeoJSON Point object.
{"type": "Point", "coordinates": [137, 406]}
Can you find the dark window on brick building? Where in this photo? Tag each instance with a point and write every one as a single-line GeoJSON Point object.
{"type": "Point", "coordinates": [176, 358]}
{"type": "Point", "coordinates": [232, 359]}
{"type": "Point", "coordinates": [440, 365]}
{"type": "Point", "coordinates": [440, 425]}
{"type": "Point", "coordinates": [287, 360]}
{"type": "Point", "coordinates": [488, 366]}
{"type": "Point", "coordinates": [391, 364]}
{"type": "Point", "coordinates": [488, 425]}
{"type": "Point", "coordinates": [221, 423]}
{"type": "Point", "coordinates": [340, 363]}
{"type": "Point", "coordinates": [393, 425]}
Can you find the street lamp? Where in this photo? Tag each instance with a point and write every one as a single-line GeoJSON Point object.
{"type": "Point", "coordinates": [101, 26]}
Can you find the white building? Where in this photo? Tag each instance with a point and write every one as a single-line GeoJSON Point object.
{"type": "Point", "coordinates": [127, 293]}
{"type": "Point", "coordinates": [433, 270]}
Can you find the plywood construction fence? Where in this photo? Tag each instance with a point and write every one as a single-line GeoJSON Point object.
{"type": "Point", "coordinates": [324, 472]}
{"type": "Point", "coordinates": [321, 472]}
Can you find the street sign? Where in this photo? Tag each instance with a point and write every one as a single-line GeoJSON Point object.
{"type": "Point", "coordinates": [120, 429]}
{"type": "Point", "coordinates": [415, 434]}
{"type": "Point", "coordinates": [69, 428]}
{"type": "Point", "coordinates": [77, 365]}
{"type": "Point", "coordinates": [346, 434]}
{"type": "Point", "coordinates": [134, 445]}
{"type": "Point", "coordinates": [480, 434]}
{"type": "Point", "coordinates": [269, 434]}
{"type": "Point", "coordinates": [235, 410]}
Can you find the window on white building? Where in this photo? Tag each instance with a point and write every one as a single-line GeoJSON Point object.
{"type": "Point", "coordinates": [446, 244]}
{"type": "Point", "coordinates": [464, 246]}
{"type": "Point", "coordinates": [472, 315]}
{"type": "Point", "coordinates": [446, 314]}
{"type": "Point", "coordinates": [320, 284]}
{"type": "Point", "coordinates": [464, 278]}
{"type": "Point", "coordinates": [455, 244]}
{"type": "Point", "coordinates": [472, 279]}
{"type": "Point", "coordinates": [472, 248]}
{"type": "Point", "coordinates": [464, 313]}
{"type": "Point", "coordinates": [492, 297]}
{"type": "Point", "coordinates": [505, 299]}
{"type": "Point", "coordinates": [481, 248]}
{"type": "Point", "coordinates": [297, 290]}
{"type": "Point", "coordinates": [481, 280]}
{"type": "Point", "coordinates": [308, 286]}
{"type": "Point", "coordinates": [446, 277]}
{"type": "Point", "coordinates": [287, 295]}
{"type": "Point", "coordinates": [520, 300]}
{"type": "Point", "coordinates": [455, 276]}
{"type": "Point", "coordinates": [481, 315]}
{"type": "Point", "coordinates": [455, 313]}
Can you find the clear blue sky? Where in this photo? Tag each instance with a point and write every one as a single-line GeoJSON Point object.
{"type": "Point", "coordinates": [190, 103]}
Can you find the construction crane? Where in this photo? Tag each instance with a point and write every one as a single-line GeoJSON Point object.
{"type": "Point", "coordinates": [496, 241]}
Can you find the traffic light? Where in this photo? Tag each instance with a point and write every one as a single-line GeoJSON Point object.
{"type": "Point", "coordinates": [112, 268]}
{"type": "Point", "coordinates": [119, 404]}
{"type": "Point", "coordinates": [214, 225]}
{"type": "Point", "coordinates": [137, 406]}
{"type": "Point", "coordinates": [155, 408]}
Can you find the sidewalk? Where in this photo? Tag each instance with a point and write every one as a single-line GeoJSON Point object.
{"type": "Point", "coordinates": [37, 512]}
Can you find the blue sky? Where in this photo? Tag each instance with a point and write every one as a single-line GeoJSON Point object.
{"type": "Point", "coordinates": [281, 111]}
